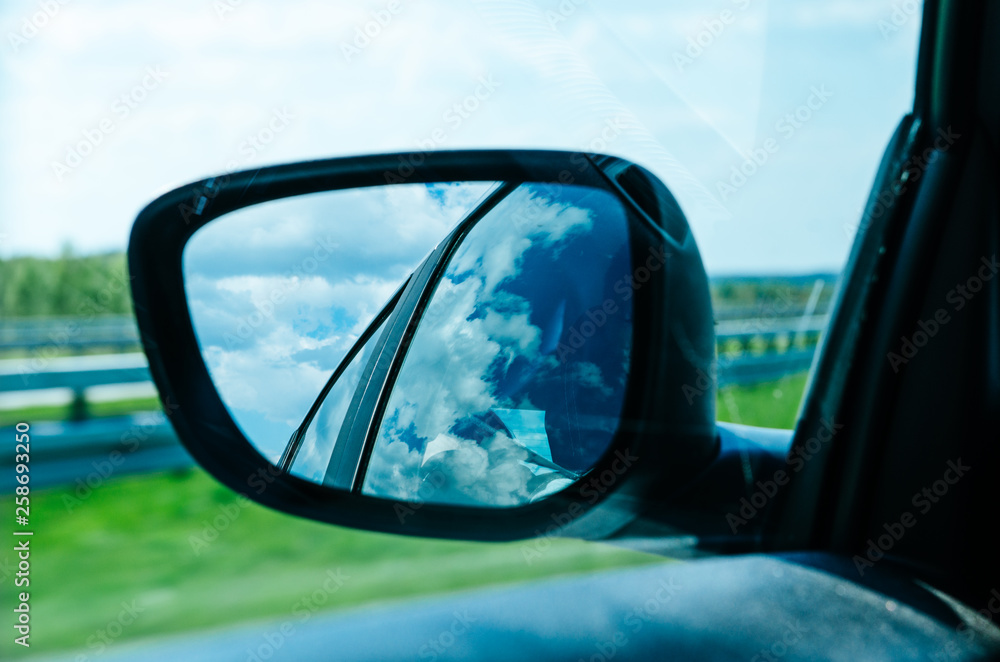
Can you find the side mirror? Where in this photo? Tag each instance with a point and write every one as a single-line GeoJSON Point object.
{"type": "Point", "coordinates": [467, 344]}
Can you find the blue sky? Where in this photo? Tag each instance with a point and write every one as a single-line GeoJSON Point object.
{"type": "Point", "coordinates": [168, 93]}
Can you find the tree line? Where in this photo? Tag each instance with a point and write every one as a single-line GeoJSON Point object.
{"type": "Point", "coordinates": [69, 285]}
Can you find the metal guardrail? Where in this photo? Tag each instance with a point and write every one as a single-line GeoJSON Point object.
{"type": "Point", "coordinates": [78, 373]}
{"type": "Point", "coordinates": [85, 454]}
{"type": "Point", "coordinates": [61, 334]}
{"type": "Point", "coordinates": [768, 310]}
{"type": "Point", "coordinates": [86, 451]}
{"type": "Point", "coordinates": [75, 372]}
{"type": "Point", "coordinates": [766, 367]}
{"type": "Point", "coordinates": [759, 335]}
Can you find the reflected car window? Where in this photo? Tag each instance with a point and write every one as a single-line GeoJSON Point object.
{"type": "Point", "coordinates": [313, 456]}
{"type": "Point", "coordinates": [517, 370]}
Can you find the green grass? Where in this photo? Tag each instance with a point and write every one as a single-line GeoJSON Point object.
{"type": "Point", "coordinates": [54, 351]}
{"type": "Point", "coordinates": [768, 404]}
{"type": "Point", "coordinates": [62, 412]}
{"type": "Point", "coordinates": [131, 539]}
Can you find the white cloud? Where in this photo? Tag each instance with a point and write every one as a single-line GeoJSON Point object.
{"type": "Point", "coordinates": [312, 459]}
{"type": "Point", "coordinates": [558, 88]}
{"type": "Point", "coordinates": [472, 332]}
{"type": "Point", "coordinates": [276, 312]}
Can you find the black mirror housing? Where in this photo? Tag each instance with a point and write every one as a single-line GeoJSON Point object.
{"type": "Point", "coordinates": [666, 437]}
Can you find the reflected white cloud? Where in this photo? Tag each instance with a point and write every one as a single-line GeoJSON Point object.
{"type": "Point", "coordinates": [280, 292]}
{"type": "Point", "coordinates": [479, 352]}
{"type": "Point", "coordinates": [313, 455]}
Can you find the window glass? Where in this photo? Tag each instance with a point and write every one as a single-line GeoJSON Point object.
{"type": "Point", "coordinates": [766, 119]}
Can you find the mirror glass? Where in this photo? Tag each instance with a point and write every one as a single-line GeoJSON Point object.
{"type": "Point", "coordinates": [312, 456]}
{"type": "Point", "coordinates": [513, 385]}
{"type": "Point", "coordinates": [279, 292]}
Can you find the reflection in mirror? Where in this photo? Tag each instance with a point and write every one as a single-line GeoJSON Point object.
{"type": "Point", "coordinates": [279, 293]}
{"type": "Point", "coordinates": [514, 382]}
{"type": "Point", "coordinates": [313, 453]}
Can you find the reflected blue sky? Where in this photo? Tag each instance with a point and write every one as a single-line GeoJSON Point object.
{"type": "Point", "coordinates": [312, 458]}
{"type": "Point", "coordinates": [279, 292]}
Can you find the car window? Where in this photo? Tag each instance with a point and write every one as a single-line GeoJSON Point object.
{"type": "Point", "coordinates": [765, 118]}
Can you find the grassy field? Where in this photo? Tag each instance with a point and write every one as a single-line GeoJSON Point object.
{"type": "Point", "coordinates": [187, 553]}
{"type": "Point", "coordinates": [768, 404]}
{"type": "Point", "coordinates": [146, 539]}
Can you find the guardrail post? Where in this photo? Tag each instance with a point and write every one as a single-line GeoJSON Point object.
{"type": "Point", "coordinates": [78, 410]}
